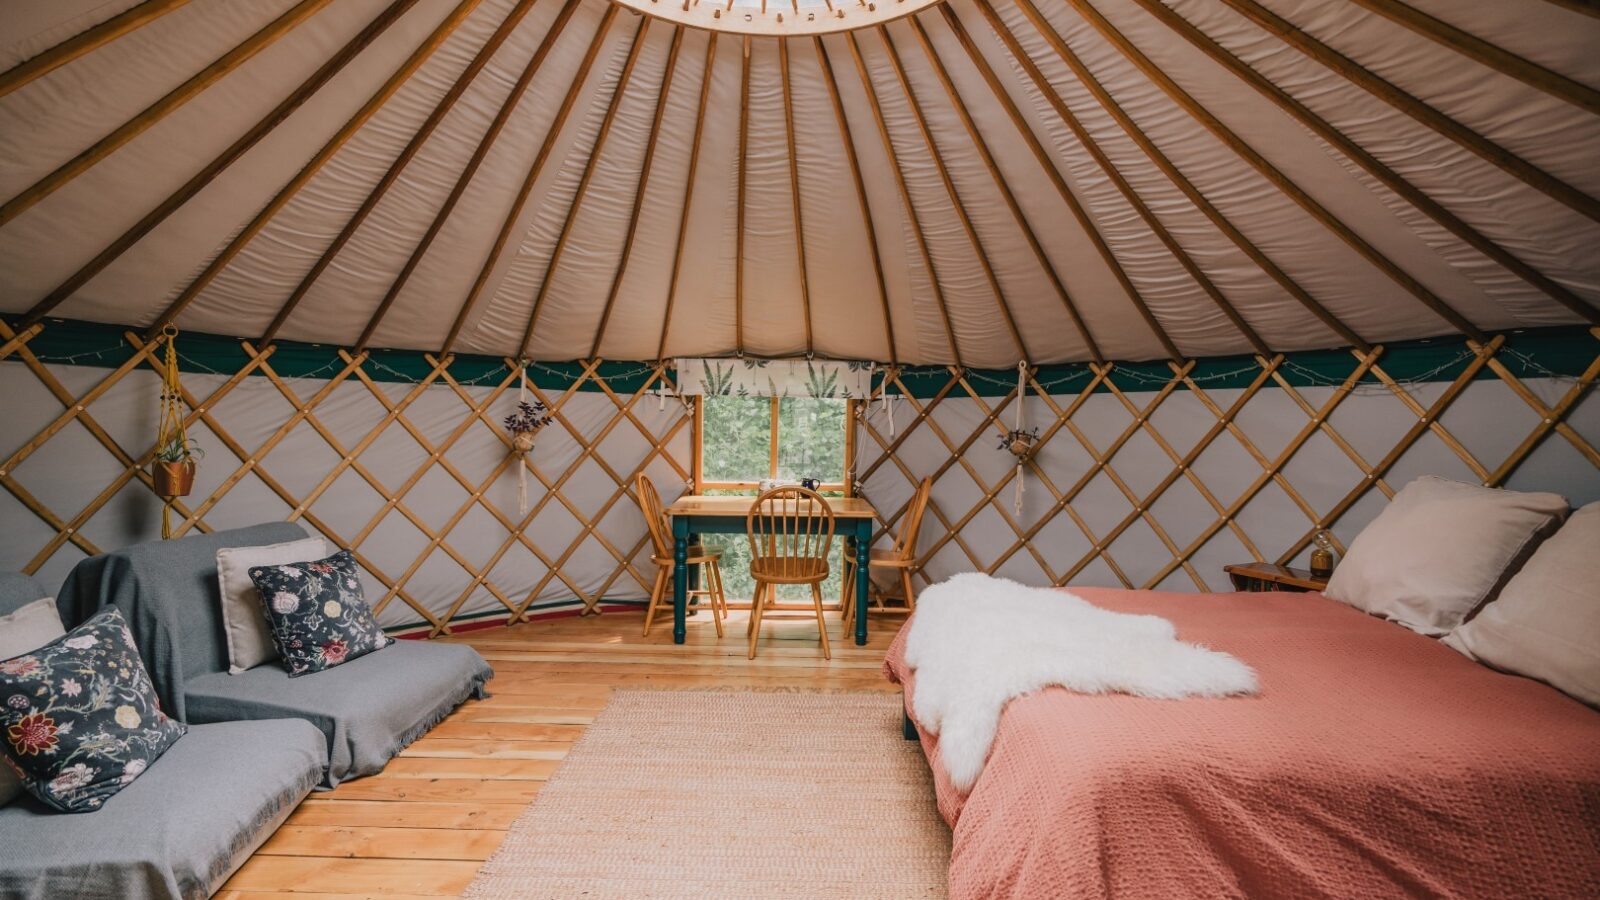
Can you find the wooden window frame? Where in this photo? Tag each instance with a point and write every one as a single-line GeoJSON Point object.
{"type": "Point", "coordinates": [701, 484]}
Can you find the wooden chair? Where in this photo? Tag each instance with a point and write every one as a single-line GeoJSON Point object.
{"type": "Point", "coordinates": [699, 555]}
{"type": "Point", "coordinates": [901, 557]}
{"type": "Point", "coordinates": [791, 534]}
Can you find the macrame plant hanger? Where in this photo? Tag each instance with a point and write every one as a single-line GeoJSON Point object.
{"type": "Point", "coordinates": [1017, 434]}
{"type": "Point", "coordinates": [520, 438]}
{"type": "Point", "coordinates": [887, 398]}
{"type": "Point", "coordinates": [172, 474]}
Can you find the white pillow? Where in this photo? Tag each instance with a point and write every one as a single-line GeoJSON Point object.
{"type": "Point", "coordinates": [1440, 550]}
{"type": "Point", "coordinates": [249, 637]}
{"type": "Point", "coordinates": [1546, 623]}
{"type": "Point", "coordinates": [26, 628]}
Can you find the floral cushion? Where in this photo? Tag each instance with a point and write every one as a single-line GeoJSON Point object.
{"type": "Point", "coordinates": [80, 719]}
{"type": "Point", "coordinates": [318, 616]}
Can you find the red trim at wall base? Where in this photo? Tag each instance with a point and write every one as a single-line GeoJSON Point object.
{"type": "Point", "coordinates": [421, 631]}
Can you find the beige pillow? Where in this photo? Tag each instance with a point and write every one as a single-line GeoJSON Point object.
{"type": "Point", "coordinates": [29, 627]}
{"type": "Point", "coordinates": [1440, 550]}
{"type": "Point", "coordinates": [25, 628]}
{"type": "Point", "coordinates": [249, 638]}
{"type": "Point", "coordinates": [1546, 622]}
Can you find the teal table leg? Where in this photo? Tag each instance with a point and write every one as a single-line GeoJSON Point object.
{"type": "Point", "coordinates": [694, 571]}
{"type": "Point", "coordinates": [863, 557]}
{"type": "Point", "coordinates": [680, 582]}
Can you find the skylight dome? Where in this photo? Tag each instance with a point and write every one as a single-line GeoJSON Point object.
{"type": "Point", "coordinates": [778, 17]}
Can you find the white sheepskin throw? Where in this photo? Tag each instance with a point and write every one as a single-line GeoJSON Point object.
{"type": "Point", "coordinates": [977, 641]}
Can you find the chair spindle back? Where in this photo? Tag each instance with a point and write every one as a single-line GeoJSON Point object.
{"type": "Point", "coordinates": [905, 546]}
{"type": "Point", "coordinates": [791, 530]}
{"type": "Point", "coordinates": [650, 506]}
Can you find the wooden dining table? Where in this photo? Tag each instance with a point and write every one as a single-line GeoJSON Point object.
{"type": "Point", "coordinates": [694, 514]}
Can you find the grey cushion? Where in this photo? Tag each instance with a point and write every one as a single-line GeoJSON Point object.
{"type": "Point", "coordinates": [18, 590]}
{"type": "Point", "coordinates": [168, 592]}
{"type": "Point", "coordinates": [368, 708]}
{"type": "Point", "coordinates": [178, 831]}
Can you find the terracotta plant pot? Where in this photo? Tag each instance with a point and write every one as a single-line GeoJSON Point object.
{"type": "Point", "coordinates": [173, 479]}
{"type": "Point", "coordinates": [1021, 446]}
{"type": "Point", "coordinates": [522, 441]}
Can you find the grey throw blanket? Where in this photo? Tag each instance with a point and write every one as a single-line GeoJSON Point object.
{"type": "Point", "coordinates": [168, 592]}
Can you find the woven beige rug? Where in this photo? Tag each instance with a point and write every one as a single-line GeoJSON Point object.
{"type": "Point", "coordinates": [731, 794]}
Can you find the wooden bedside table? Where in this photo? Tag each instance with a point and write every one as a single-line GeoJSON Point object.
{"type": "Point", "coordinates": [1270, 577]}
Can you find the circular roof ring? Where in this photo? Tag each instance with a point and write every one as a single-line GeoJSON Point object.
{"type": "Point", "coordinates": [778, 18]}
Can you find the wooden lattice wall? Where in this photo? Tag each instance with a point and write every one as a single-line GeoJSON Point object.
{"type": "Point", "coordinates": [559, 525]}
{"type": "Point", "coordinates": [1138, 483]}
{"type": "Point", "coordinates": [1087, 519]}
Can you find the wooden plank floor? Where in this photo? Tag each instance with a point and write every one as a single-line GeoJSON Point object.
{"type": "Point", "coordinates": [423, 826]}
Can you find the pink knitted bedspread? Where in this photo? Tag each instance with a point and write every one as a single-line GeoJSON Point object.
{"type": "Point", "coordinates": [1374, 763]}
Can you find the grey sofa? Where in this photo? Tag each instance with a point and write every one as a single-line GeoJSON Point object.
{"type": "Point", "coordinates": [178, 831]}
{"type": "Point", "coordinates": [367, 709]}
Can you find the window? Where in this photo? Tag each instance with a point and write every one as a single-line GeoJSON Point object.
{"type": "Point", "coordinates": [744, 440]}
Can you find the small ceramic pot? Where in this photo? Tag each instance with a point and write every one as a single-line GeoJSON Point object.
{"type": "Point", "coordinates": [173, 479]}
{"type": "Point", "coordinates": [522, 441]}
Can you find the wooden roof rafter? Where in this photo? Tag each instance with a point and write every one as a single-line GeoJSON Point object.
{"type": "Point", "coordinates": [1586, 7]}
{"type": "Point", "coordinates": [794, 187]}
{"type": "Point", "coordinates": [198, 182]}
{"type": "Point", "coordinates": [905, 195]}
{"type": "Point", "coordinates": [86, 41]}
{"type": "Point", "coordinates": [646, 166]}
{"type": "Point", "coordinates": [1155, 155]}
{"type": "Point", "coordinates": [241, 53]}
{"type": "Point", "coordinates": [557, 27]}
{"type": "Point", "coordinates": [953, 21]}
{"type": "Point", "coordinates": [1267, 170]}
{"type": "Point", "coordinates": [854, 163]}
{"type": "Point", "coordinates": [1504, 159]}
{"type": "Point", "coordinates": [552, 134]}
{"type": "Point", "coordinates": [1391, 179]}
{"type": "Point", "coordinates": [236, 244]}
{"type": "Point", "coordinates": [706, 73]}
{"type": "Point", "coordinates": [1006, 193]}
{"type": "Point", "coordinates": [635, 50]}
{"type": "Point", "coordinates": [413, 146]}
{"type": "Point", "coordinates": [1481, 51]}
{"type": "Point", "coordinates": [955, 197]}
{"type": "Point", "coordinates": [744, 166]}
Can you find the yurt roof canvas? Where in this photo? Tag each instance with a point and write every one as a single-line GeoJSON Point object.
{"type": "Point", "coordinates": [979, 182]}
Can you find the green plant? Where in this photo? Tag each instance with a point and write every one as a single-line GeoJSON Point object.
{"type": "Point", "coordinates": [177, 449]}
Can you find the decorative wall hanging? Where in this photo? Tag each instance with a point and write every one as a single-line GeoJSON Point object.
{"type": "Point", "coordinates": [523, 425]}
{"type": "Point", "coordinates": [751, 377]}
{"type": "Point", "coordinates": [1019, 441]}
{"type": "Point", "coordinates": [172, 469]}
{"type": "Point", "coordinates": [887, 397]}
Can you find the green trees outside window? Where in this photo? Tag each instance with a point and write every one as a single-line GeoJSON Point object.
{"type": "Point", "coordinates": [744, 440]}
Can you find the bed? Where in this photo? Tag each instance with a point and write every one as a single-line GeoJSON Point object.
{"type": "Point", "coordinates": [1374, 762]}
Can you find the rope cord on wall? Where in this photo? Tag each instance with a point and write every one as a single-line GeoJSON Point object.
{"type": "Point", "coordinates": [522, 466]}
{"type": "Point", "coordinates": [174, 469]}
{"type": "Point", "coordinates": [1022, 401]}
